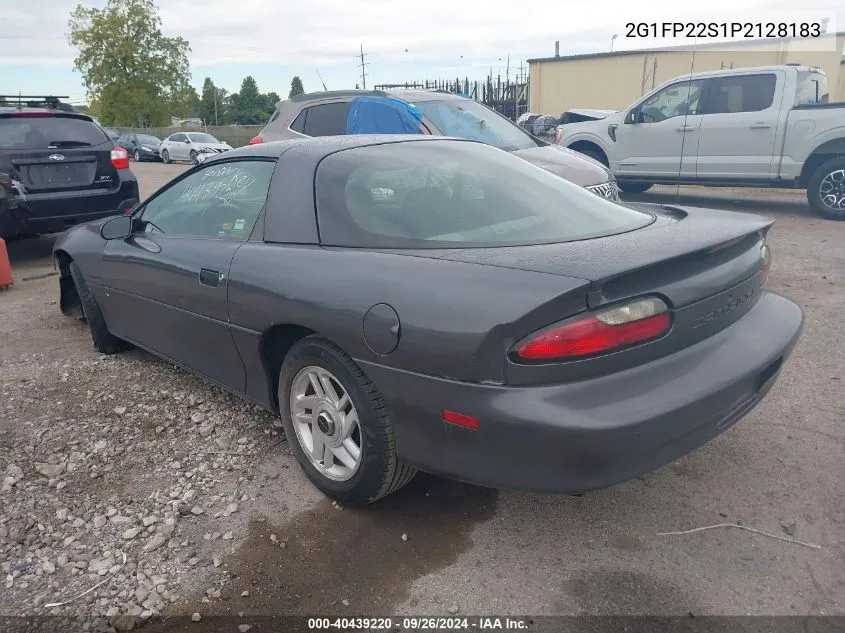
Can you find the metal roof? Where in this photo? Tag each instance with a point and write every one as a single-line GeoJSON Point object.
{"type": "Point", "coordinates": [667, 49]}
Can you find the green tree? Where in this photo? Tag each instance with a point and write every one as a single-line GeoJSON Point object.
{"type": "Point", "coordinates": [209, 103]}
{"type": "Point", "coordinates": [186, 102]}
{"type": "Point", "coordinates": [127, 63]}
{"type": "Point", "coordinates": [249, 105]}
{"type": "Point", "coordinates": [295, 87]}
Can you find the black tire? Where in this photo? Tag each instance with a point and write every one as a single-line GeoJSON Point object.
{"type": "Point", "coordinates": [104, 341]}
{"type": "Point", "coordinates": [832, 169]}
{"type": "Point", "coordinates": [137, 156]}
{"type": "Point", "coordinates": [634, 187]}
{"type": "Point", "coordinates": [380, 471]}
{"type": "Point", "coordinates": [194, 157]}
{"type": "Point", "coordinates": [165, 156]}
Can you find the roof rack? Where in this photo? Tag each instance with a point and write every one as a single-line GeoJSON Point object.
{"type": "Point", "coordinates": [37, 101]}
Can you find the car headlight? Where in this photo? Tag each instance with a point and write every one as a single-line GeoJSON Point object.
{"type": "Point", "coordinates": [146, 149]}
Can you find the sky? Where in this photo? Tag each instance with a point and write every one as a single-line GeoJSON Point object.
{"type": "Point", "coordinates": [273, 40]}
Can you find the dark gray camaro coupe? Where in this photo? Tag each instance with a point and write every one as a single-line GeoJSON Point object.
{"type": "Point", "coordinates": [427, 303]}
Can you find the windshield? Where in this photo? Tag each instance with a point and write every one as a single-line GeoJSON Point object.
{"type": "Point", "coordinates": [199, 137]}
{"type": "Point", "coordinates": [443, 194]}
{"type": "Point", "coordinates": [812, 88]}
{"type": "Point", "coordinates": [148, 140]}
{"type": "Point", "coordinates": [468, 119]}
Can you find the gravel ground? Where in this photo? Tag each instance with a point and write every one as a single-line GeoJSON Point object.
{"type": "Point", "coordinates": [132, 489]}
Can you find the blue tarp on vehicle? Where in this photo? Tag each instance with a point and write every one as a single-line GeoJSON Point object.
{"type": "Point", "coordinates": [382, 115]}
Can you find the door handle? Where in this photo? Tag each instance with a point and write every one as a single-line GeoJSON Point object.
{"type": "Point", "coordinates": [210, 277]}
{"type": "Point", "coordinates": [686, 128]}
{"type": "Point", "coordinates": [760, 126]}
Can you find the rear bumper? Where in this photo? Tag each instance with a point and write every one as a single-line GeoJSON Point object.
{"type": "Point", "coordinates": [595, 433]}
{"type": "Point", "coordinates": [55, 212]}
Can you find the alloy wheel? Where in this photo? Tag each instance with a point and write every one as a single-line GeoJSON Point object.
{"type": "Point", "coordinates": [326, 423]}
{"type": "Point", "coordinates": [832, 191]}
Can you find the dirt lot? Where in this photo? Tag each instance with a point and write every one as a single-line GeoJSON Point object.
{"type": "Point", "coordinates": [106, 457]}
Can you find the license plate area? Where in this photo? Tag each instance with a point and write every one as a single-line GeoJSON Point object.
{"type": "Point", "coordinates": [53, 176]}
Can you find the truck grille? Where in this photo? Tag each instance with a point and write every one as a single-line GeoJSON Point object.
{"type": "Point", "coordinates": [607, 190]}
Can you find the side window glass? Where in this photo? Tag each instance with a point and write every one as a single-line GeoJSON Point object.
{"type": "Point", "coordinates": [298, 124]}
{"type": "Point", "coordinates": [328, 119]}
{"type": "Point", "coordinates": [675, 100]}
{"type": "Point", "coordinates": [222, 200]}
{"type": "Point", "coordinates": [742, 93]}
{"type": "Point", "coordinates": [178, 138]}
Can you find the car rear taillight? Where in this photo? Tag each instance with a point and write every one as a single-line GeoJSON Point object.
{"type": "Point", "coordinates": [766, 253]}
{"type": "Point", "coordinates": [620, 326]}
{"type": "Point", "coordinates": [119, 158]}
{"type": "Point", "coordinates": [558, 136]}
{"type": "Point", "coordinates": [255, 140]}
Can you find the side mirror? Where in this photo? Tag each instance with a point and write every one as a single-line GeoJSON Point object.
{"type": "Point", "coordinates": [187, 140]}
{"type": "Point", "coordinates": [633, 116]}
{"type": "Point", "coordinates": [118, 228]}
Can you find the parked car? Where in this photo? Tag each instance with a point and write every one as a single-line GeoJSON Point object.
{"type": "Point", "coordinates": [758, 127]}
{"type": "Point", "coordinates": [428, 112]}
{"type": "Point", "coordinates": [188, 145]}
{"type": "Point", "coordinates": [70, 170]}
{"type": "Point", "coordinates": [576, 115]}
{"type": "Point", "coordinates": [140, 146]}
{"type": "Point", "coordinates": [526, 120]}
{"type": "Point", "coordinates": [413, 302]}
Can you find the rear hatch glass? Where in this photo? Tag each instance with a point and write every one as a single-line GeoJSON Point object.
{"type": "Point", "coordinates": [436, 194]}
{"type": "Point", "coordinates": [55, 152]}
{"type": "Point", "coordinates": [48, 132]}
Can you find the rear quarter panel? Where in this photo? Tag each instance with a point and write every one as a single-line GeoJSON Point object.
{"type": "Point", "coordinates": [457, 320]}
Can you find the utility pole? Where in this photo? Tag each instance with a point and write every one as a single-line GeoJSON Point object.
{"type": "Point", "coordinates": [363, 65]}
{"type": "Point", "coordinates": [508, 68]}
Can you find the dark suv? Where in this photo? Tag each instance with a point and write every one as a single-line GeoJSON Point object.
{"type": "Point", "coordinates": [427, 112]}
{"type": "Point", "coordinates": [65, 167]}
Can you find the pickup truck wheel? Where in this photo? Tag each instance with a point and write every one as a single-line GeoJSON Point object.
{"type": "Point", "coordinates": [826, 189]}
{"type": "Point", "coordinates": [104, 341]}
{"type": "Point", "coordinates": [634, 187]}
{"type": "Point", "coordinates": [337, 425]}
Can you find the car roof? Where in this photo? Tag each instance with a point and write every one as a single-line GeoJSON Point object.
{"type": "Point", "coordinates": [406, 94]}
{"type": "Point", "coordinates": [325, 145]}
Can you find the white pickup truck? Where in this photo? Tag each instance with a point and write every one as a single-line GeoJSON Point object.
{"type": "Point", "coordinates": [771, 126]}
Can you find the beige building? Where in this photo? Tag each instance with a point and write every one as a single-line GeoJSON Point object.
{"type": "Point", "coordinates": [612, 81]}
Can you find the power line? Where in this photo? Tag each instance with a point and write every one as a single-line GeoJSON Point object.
{"type": "Point", "coordinates": [363, 66]}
